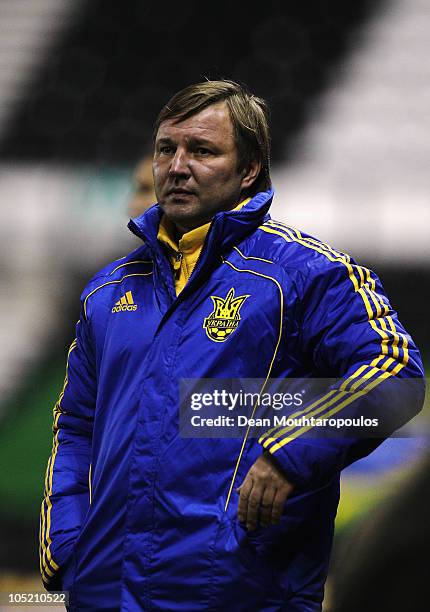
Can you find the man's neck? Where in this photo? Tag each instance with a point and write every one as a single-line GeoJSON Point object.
{"type": "Point", "coordinates": [180, 230]}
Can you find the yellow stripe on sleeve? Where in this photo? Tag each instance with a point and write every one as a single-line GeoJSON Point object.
{"type": "Point", "coordinates": [46, 556]}
{"type": "Point", "coordinates": [372, 375]}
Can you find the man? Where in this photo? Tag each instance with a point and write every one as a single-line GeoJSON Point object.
{"type": "Point", "coordinates": [138, 517]}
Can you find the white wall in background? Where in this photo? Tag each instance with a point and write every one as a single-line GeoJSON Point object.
{"type": "Point", "coordinates": [361, 174]}
{"type": "Point", "coordinates": [28, 31]}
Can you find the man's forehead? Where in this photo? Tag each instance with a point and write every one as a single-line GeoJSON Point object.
{"type": "Point", "coordinates": [212, 122]}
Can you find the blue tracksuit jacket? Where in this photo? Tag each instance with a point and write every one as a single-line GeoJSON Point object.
{"type": "Point", "coordinates": [134, 515]}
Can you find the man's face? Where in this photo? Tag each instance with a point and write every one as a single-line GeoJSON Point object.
{"type": "Point", "coordinates": [195, 167]}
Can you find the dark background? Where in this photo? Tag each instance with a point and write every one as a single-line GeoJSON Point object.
{"type": "Point", "coordinates": [98, 94]}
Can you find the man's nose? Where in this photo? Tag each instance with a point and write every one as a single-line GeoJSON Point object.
{"type": "Point", "coordinates": [179, 164]}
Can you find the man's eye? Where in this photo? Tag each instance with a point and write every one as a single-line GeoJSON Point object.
{"type": "Point", "coordinates": [165, 150]}
{"type": "Point", "coordinates": [203, 151]}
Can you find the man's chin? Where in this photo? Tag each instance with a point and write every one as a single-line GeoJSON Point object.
{"type": "Point", "coordinates": [183, 215]}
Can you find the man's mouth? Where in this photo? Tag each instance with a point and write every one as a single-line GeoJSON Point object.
{"type": "Point", "coordinates": [178, 191]}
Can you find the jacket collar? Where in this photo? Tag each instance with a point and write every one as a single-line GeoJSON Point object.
{"type": "Point", "coordinates": [227, 227]}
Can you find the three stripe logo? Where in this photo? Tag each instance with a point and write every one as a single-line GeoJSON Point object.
{"type": "Point", "coordinates": [124, 304]}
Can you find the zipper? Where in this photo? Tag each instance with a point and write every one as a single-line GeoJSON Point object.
{"type": "Point", "coordinates": [177, 264]}
{"type": "Point", "coordinates": [205, 252]}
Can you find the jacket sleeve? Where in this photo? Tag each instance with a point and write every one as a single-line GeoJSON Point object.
{"type": "Point", "coordinates": [349, 333]}
{"type": "Point", "coordinates": [67, 487]}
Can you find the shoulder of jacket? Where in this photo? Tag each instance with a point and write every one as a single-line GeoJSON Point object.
{"type": "Point", "coordinates": [135, 263]}
{"type": "Point", "coordinates": [294, 249]}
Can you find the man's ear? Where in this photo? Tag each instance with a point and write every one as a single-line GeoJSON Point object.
{"type": "Point", "coordinates": [250, 174]}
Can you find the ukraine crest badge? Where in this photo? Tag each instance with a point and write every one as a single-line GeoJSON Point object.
{"type": "Point", "coordinates": [225, 317]}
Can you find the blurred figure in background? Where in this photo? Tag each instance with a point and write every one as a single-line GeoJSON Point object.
{"type": "Point", "coordinates": [143, 195]}
{"type": "Point", "coordinates": [383, 564]}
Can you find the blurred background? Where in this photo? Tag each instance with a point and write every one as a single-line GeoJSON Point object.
{"type": "Point", "coordinates": [81, 82]}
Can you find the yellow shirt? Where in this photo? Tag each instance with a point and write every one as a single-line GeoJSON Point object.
{"type": "Point", "coordinates": [184, 255]}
